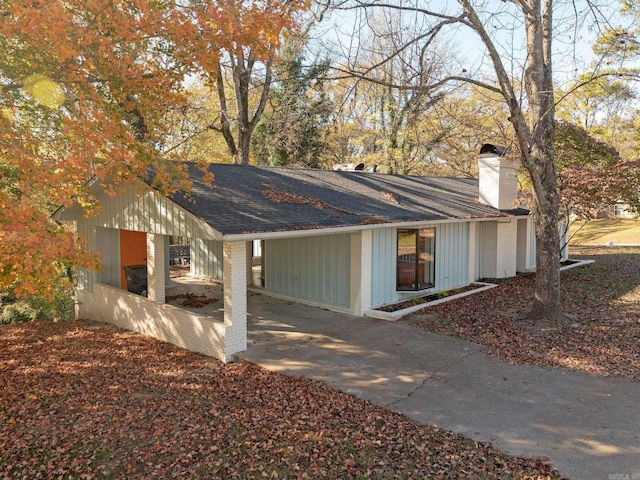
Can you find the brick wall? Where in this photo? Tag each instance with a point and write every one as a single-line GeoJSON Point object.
{"type": "Point", "coordinates": [171, 324]}
{"type": "Point", "coordinates": [234, 272]}
{"type": "Point", "coordinates": [156, 266]}
{"type": "Point", "coordinates": [360, 288]}
{"type": "Point", "coordinates": [498, 183]}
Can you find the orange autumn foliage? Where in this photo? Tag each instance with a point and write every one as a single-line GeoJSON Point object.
{"type": "Point", "coordinates": [85, 86]}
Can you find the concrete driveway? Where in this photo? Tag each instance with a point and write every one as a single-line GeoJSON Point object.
{"type": "Point", "coordinates": [588, 426]}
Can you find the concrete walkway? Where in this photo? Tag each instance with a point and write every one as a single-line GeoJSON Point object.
{"type": "Point", "coordinates": [588, 426]}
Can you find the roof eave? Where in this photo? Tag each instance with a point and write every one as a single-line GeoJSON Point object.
{"type": "Point", "coordinates": [245, 236]}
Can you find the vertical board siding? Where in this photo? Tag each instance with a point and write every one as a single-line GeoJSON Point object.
{"type": "Point", "coordinates": [521, 245]}
{"type": "Point", "coordinates": [564, 241]}
{"type": "Point", "coordinates": [452, 260]}
{"type": "Point", "coordinates": [488, 249]}
{"type": "Point", "coordinates": [313, 268]}
{"type": "Point", "coordinates": [108, 244]}
{"type": "Point", "coordinates": [383, 266]}
{"type": "Point", "coordinates": [206, 258]}
{"type": "Point", "coordinates": [142, 212]}
{"type": "Point", "coordinates": [474, 251]}
{"type": "Point", "coordinates": [167, 271]}
{"type": "Point", "coordinates": [87, 231]}
{"type": "Point", "coordinates": [532, 249]}
{"type": "Point", "coordinates": [452, 255]}
{"type": "Point", "coordinates": [149, 212]}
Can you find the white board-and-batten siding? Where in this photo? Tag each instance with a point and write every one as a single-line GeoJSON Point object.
{"type": "Point", "coordinates": [148, 211]}
{"type": "Point", "coordinates": [206, 258]}
{"type": "Point", "coordinates": [108, 244]}
{"type": "Point", "coordinates": [451, 256]}
{"type": "Point", "coordinates": [136, 210]}
{"type": "Point", "coordinates": [314, 268]}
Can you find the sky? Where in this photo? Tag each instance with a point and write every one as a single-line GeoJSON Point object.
{"type": "Point", "coordinates": [574, 23]}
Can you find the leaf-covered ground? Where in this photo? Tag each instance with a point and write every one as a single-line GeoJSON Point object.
{"type": "Point", "coordinates": [604, 299]}
{"type": "Point", "coordinates": [83, 400]}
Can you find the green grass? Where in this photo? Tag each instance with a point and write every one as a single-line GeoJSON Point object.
{"type": "Point", "coordinates": [605, 230]}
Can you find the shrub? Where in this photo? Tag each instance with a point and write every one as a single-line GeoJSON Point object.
{"type": "Point", "coordinates": [17, 312]}
{"type": "Point", "coordinates": [30, 309]}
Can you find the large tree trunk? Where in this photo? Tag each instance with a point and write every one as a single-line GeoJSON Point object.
{"type": "Point", "coordinates": [535, 134]}
{"type": "Point", "coordinates": [546, 310]}
{"type": "Point", "coordinates": [539, 159]}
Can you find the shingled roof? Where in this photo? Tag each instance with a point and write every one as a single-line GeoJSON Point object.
{"type": "Point", "coordinates": [251, 199]}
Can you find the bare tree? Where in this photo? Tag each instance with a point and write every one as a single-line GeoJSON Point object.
{"type": "Point", "coordinates": [531, 109]}
{"type": "Point", "coordinates": [535, 135]}
{"type": "Point", "coordinates": [242, 68]}
{"type": "Point", "coordinates": [469, 117]}
{"type": "Point", "coordinates": [238, 72]}
{"type": "Point", "coordinates": [388, 94]}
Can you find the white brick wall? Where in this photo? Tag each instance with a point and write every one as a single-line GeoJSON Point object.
{"type": "Point", "coordinates": [156, 267]}
{"type": "Point", "coordinates": [361, 266]}
{"type": "Point", "coordinates": [498, 182]}
{"type": "Point", "coordinates": [235, 296]}
{"type": "Point", "coordinates": [171, 324]}
{"type": "Point", "coordinates": [217, 337]}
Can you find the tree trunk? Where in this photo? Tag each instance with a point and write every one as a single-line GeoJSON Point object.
{"type": "Point", "coordinates": [225, 123]}
{"type": "Point", "coordinates": [535, 135]}
{"type": "Point", "coordinates": [546, 310]}
{"type": "Point", "coordinates": [242, 64]}
{"type": "Point", "coordinates": [244, 144]}
{"type": "Point", "coordinates": [540, 163]}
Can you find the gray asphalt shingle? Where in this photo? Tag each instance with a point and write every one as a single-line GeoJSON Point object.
{"type": "Point", "coordinates": [253, 199]}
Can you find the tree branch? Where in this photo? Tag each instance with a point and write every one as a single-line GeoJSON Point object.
{"type": "Point", "coordinates": [264, 96]}
{"type": "Point", "coordinates": [430, 13]}
{"type": "Point", "coordinates": [404, 87]}
{"type": "Point", "coordinates": [225, 127]}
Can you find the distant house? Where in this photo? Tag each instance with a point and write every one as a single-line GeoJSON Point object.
{"type": "Point", "coordinates": [346, 241]}
{"type": "Point", "coordinates": [619, 210]}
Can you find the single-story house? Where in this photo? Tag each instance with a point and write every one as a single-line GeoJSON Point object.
{"type": "Point", "coordinates": [346, 241]}
{"type": "Point", "coordinates": [619, 210]}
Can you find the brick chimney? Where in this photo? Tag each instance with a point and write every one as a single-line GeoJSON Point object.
{"type": "Point", "coordinates": [498, 177]}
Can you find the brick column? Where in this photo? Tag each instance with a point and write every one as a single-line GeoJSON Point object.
{"type": "Point", "coordinates": [156, 267]}
{"type": "Point", "coordinates": [235, 296]}
{"type": "Point", "coordinates": [361, 251]}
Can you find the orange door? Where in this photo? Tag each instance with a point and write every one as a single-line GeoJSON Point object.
{"type": "Point", "coordinates": [133, 251]}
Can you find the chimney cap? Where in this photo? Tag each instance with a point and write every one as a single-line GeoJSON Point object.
{"type": "Point", "coordinates": [499, 150]}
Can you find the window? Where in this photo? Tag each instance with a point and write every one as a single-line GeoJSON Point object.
{"type": "Point", "coordinates": [415, 268]}
{"type": "Point", "coordinates": [618, 210]}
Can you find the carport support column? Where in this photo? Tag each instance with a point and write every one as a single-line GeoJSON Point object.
{"type": "Point", "coordinates": [235, 297]}
{"type": "Point", "coordinates": [361, 252]}
{"type": "Point", "coordinates": [156, 267]}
